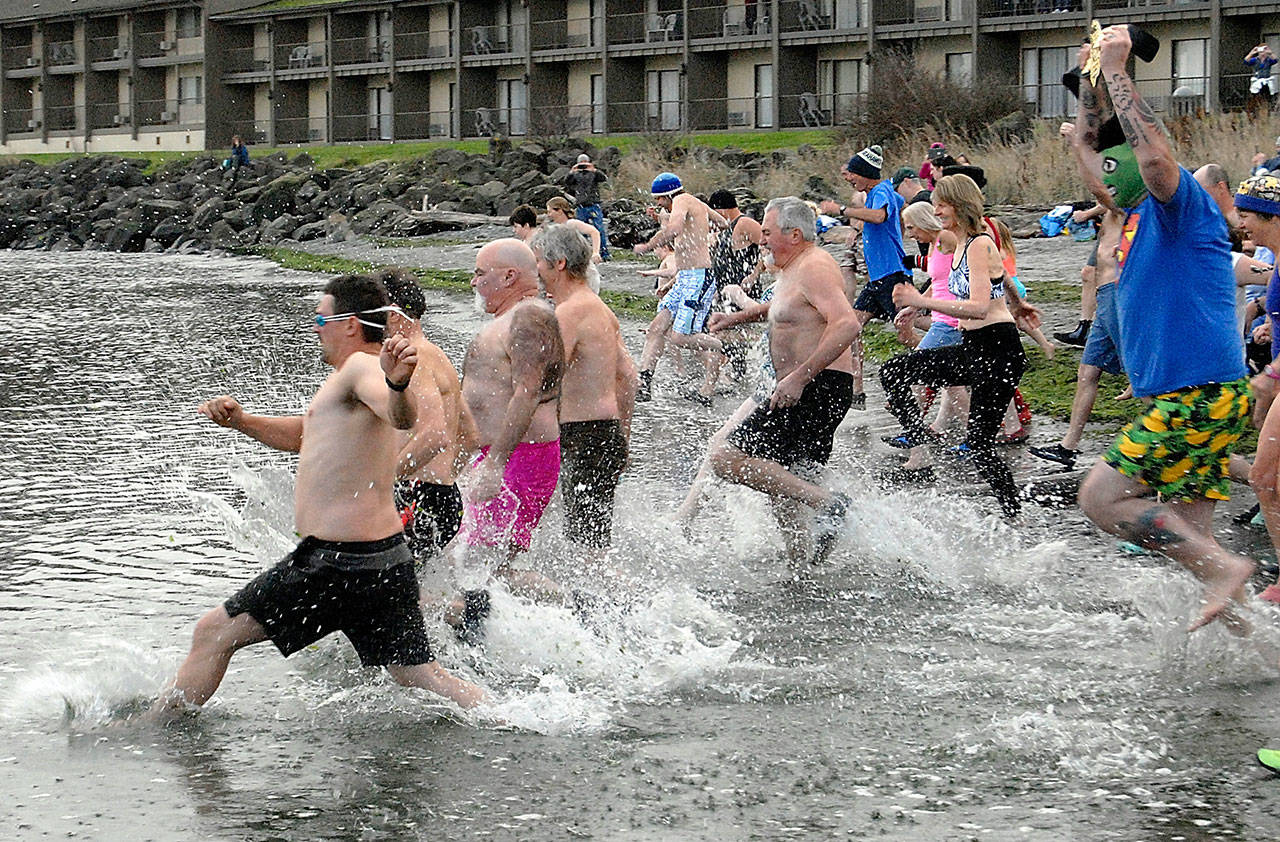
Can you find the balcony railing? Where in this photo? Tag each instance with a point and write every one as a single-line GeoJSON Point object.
{"type": "Point", "coordinates": [573, 33]}
{"type": "Point", "coordinates": [61, 53]}
{"type": "Point", "coordinates": [823, 15]}
{"type": "Point", "coordinates": [248, 59]}
{"type": "Point", "coordinates": [109, 115]}
{"type": "Point", "coordinates": [366, 50]}
{"type": "Point", "coordinates": [1017, 8]}
{"type": "Point", "coordinates": [155, 44]}
{"type": "Point", "coordinates": [423, 125]}
{"type": "Point", "coordinates": [61, 118]}
{"type": "Point", "coordinates": [300, 130]}
{"type": "Point", "coordinates": [1170, 97]}
{"type": "Point", "coordinates": [494, 40]}
{"type": "Point", "coordinates": [931, 12]}
{"type": "Point", "coordinates": [18, 57]}
{"type": "Point", "coordinates": [1153, 5]}
{"type": "Point", "coordinates": [349, 128]}
{"type": "Point", "coordinates": [108, 48]}
{"type": "Point", "coordinates": [423, 45]}
{"type": "Point", "coordinates": [159, 112]}
{"type": "Point", "coordinates": [643, 28]}
{"type": "Point", "coordinates": [301, 56]}
{"type": "Point", "coordinates": [720, 21]}
{"type": "Point", "coordinates": [21, 121]}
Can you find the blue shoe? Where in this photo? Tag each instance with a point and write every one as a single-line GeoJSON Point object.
{"type": "Point", "coordinates": [960, 451]}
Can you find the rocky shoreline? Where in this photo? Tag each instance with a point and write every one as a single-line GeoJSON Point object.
{"type": "Point", "coordinates": [114, 204]}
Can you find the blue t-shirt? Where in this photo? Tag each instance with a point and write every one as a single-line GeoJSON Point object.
{"type": "Point", "coordinates": [1176, 294]}
{"type": "Point", "coordinates": [882, 241]}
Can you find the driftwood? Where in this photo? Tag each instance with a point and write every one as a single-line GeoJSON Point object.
{"type": "Point", "coordinates": [437, 220]}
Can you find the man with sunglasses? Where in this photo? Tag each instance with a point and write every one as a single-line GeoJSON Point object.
{"type": "Point", "coordinates": [352, 571]}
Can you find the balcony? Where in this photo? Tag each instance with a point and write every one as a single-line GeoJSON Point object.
{"type": "Point", "coordinates": [21, 121]}
{"type": "Point", "coordinates": [302, 56]}
{"type": "Point", "coordinates": [157, 113]}
{"type": "Point", "coordinates": [108, 48]}
{"type": "Point", "coordinates": [639, 28]}
{"type": "Point", "coordinates": [417, 46]}
{"type": "Point", "coordinates": [20, 57]}
{"type": "Point", "coordinates": [248, 59]}
{"type": "Point", "coordinates": [301, 130]}
{"type": "Point", "coordinates": [930, 13]}
{"type": "Point", "coordinates": [349, 51]}
{"type": "Point", "coordinates": [61, 53]}
{"type": "Point", "coordinates": [494, 40]}
{"type": "Point", "coordinates": [61, 118]}
{"type": "Point", "coordinates": [1022, 8]}
{"type": "Point", "coordinates": [109, 115]}
{"type": "Point", "coordinates": [155, 44]}
{"type": "Point", "coordinates": [817, 16]}
{"type": "Point", "coordinates": [423, 125]}
{"type": "Point", "coordinates": [570, 34]}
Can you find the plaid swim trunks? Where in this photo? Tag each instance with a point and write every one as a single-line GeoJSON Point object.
{"type": "Point", "coordinates": [1181, 445]}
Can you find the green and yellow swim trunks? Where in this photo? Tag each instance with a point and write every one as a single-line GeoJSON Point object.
{"type": "Point", "coordinates": [1181, 445]}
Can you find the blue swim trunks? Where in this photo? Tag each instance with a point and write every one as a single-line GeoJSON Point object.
{"type": "Point", "coordinates": [689, 301]}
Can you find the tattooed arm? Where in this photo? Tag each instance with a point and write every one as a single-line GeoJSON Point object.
{"type": "Point", "coordinates": [1092, 110]}
{"type": "Point", "coordinates": [1141, 127]}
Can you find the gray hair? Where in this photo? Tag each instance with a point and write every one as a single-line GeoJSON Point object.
{"type": "Point", "coordinates": [558, 242]}
{"type": "Point", "coordinates": [921, 215]}
{"type": "Point", "coordinates": [794, 213]}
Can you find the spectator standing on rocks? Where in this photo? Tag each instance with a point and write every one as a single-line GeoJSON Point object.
{"type": "Point", "coordinates": [881, 246]}
{"type": "Point", "coordinates": [583, 183]}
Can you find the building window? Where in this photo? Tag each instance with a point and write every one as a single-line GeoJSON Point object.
{"type": "Point", "coordinates": [842, 87]}
{"type": "Point", "coordinates": [960, 69]}
{"type": "Point", "coordinates": [764, 96]}
{"type": "Point", "coordinates": [850, 14]}
{"type": "Point", "coordinates": [1190, 66]}
{"type": "Point", "coordinates": [1042, 88]}
{"type": "Point", "coordinates": [664, 99]}
{"type": "Point", "coordinates": [191, 90]}
{"type": "Point", "coordinates": [597, 103]}
{"type": "Point", "coordinates": [513, 106]}
{"type": "Point", "coordinates": [379, 114]}
{"type": "Point", "coordinates": [188, 23]}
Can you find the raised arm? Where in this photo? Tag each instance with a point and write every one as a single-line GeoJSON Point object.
{"type": "Point", "coordinates": [1141, 127]}
{"type": "Point", "coordinates": [384, 386]}
{"type": "Point", "coordinates": [278, 432]}
{"type": "Point", "coordinates": [1092, 110]}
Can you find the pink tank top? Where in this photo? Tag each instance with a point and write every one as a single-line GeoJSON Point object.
{"type": "Point", "coordinates": [939, 272]}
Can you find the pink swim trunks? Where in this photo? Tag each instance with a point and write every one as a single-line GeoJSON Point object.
{"type": "Point", "coordinates": [529, 482]}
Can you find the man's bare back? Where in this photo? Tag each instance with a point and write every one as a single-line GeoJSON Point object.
{"type": "Point", "coordinates": [489, 379]}
{"type": "Point", "coordinates": [692, 243]}
{"type": "Point", "coordinates": [594, 359]}
{"type": "Point", "coordinates": [439, 439]}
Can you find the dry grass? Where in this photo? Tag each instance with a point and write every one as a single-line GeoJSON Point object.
{"type": "Point", "coordinates": [1038, 171]}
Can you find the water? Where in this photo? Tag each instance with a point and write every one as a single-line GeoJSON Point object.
{"type": "Point", "coordinates": [945, 677]}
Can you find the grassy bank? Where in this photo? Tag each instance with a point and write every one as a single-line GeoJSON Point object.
{"type": "Point", "coordinates": [623, 304]}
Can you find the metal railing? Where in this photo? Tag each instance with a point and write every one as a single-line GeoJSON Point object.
{"type": "Point", "coordinates": [248, 59]}
{"type": "Point", "coordinates": [350, 128]}
{"type": "Point", "coordinates": [301, 56]}
{"type": "Point", "coordinates": [109, 115]}
{"type": "Point", "coordinates": [108, 48]}
{"type": "Point", "coordinates": [250, 131]}
{"type": "Point", "coordinates": [424, 45]}
{"type": "Point", "coordinates": [61, 53]}
{"type": "Point", "coordinates": [570, 33]}
{"type": "Point", "coordinates": [931, 11]}
{"type": "Point", "coordinates": [720, 21]}
{"type": "Point", "coordinates": [1107, 5]}
{"type": "Point", "coordinates": [494, 40]}
{"type": "Point", "coordinates": [158, 112]}
{"type": "Point", "coordinates": [155, 44]}
{"type": "Point", "coordinates": [423, 125]}
{"type": "Point", "coordinates": [1168, 96]}
{"type": "Point", "coordinates": [18, 57]}
{"type": "Point", "coordinates": [21, 121]}
{"type": "Point", "coordinates": [364, 50]}
{"type": "Point", "coordinates": [301, 130]}
{"type": "Point", "coordinates": [61, 118]}
{"type": "Point", "coordinates": [823, 15]}
{"type": "Point", "coordinates": [645, 28]}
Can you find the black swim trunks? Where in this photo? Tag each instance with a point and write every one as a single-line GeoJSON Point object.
{"type": "Point", "coordinates": [876, 297]}
{"type": "Point", "coordinates": [593, 455]}
{"type": "Point", "coordinates": [431, 513]}
{"type": "Point", "coordinates": [364, 589]}
{"type": "Point", "coordinates": [801, 433]}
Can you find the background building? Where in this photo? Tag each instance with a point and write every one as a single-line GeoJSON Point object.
{"type": "Point", "coordinates": [116, 75]}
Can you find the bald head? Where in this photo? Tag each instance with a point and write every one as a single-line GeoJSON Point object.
{"type": "Point", "coordinates": [1213, 178]}
{"type": "Point", "coordinates": [509, 253]}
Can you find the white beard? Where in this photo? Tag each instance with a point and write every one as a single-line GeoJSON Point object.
{"type": "Point", "coordinates": [478, 303]}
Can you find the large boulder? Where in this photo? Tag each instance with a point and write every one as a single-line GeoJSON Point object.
{"type": "Point", "coordinates": [155, 211]}
{"type": "Point", "coordinates": [278, 197]}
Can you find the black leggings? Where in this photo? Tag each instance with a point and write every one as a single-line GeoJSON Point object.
{"type": "Point", "coordinates": [990, 362]}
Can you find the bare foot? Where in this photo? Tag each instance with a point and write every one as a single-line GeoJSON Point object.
{"type": "Point", "coordinates": [1221, 590]}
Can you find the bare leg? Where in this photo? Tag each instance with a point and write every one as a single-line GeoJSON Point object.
{"type": "Point", "coordinates": [856, 350]}
{"type": "Point", "coordinates": [769, 477]}
{"type": "Point", "coordinates": [1122, 507]}
{"type": "Point", "coordinates": [1263, 475]}
{"type": "Point", "coordinates": [953, 410]}
{"type": "Point", "coordinates": [1088, 293]}
{"type": "Point", "coordinates": [655, 340]}
{"type": "Point", "coordinates": [788, 513]}
{"type": "Point", "coordinates": [431, 676]}
{"type": "Point", "coordinates": [919, 458]}
{"type": "Point", "coordinates": [217, 637]}
{"type": "Point", "coordinates": [693, 500]}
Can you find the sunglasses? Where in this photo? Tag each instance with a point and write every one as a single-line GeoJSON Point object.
{"type": "Point", "coordinates": [321, 320]}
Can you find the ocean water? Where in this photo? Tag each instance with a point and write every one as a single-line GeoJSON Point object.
{"type": "Point", "coordinates": [944, 676]}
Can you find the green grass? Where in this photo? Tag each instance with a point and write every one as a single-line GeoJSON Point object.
{"type": "Point", "coordinates": [623, 304]}
{"type": "Point", "coordinates": [419, 242]}
{"type": "Point", "coordinates": [359, 154]}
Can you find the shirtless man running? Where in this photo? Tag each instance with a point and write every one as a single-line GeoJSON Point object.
{"type": "Point", "coordinates": [511, 383]}
{"type": "Point", "coordinates": [352, 571]}
{"type": "Point", "coordinates": [683, 311]}
{"type": "Point", "coordinates": [444, 435]}
{"type": "Point", "coordinates": [598, 390]}
{"type": "Point", "coordinates": [811, 326]}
